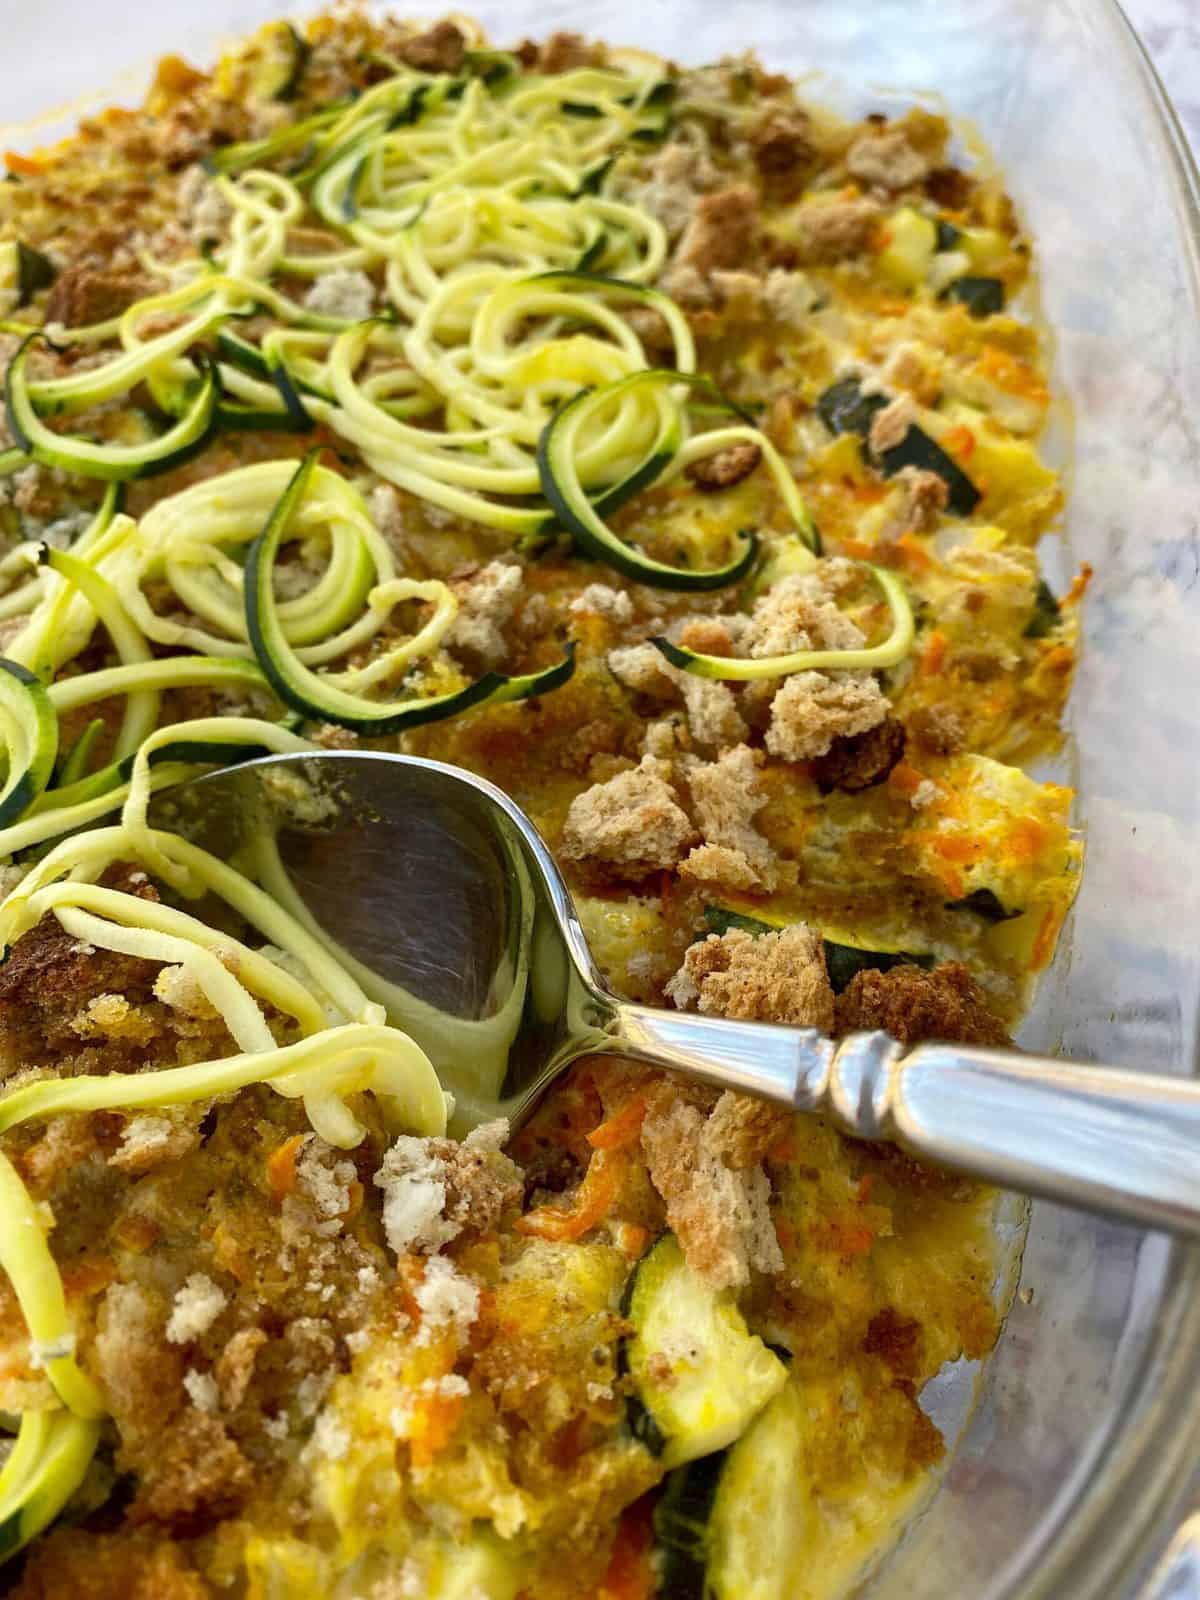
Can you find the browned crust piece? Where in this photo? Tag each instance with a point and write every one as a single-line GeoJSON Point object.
{"type": "Point", "coordinates": [719, 1214]}
{"type": "Point", "coordinates": [563, 52]}
{"type": "Point", "coordinates": [860, 760]}
{"type": "Point", "coordinates": [482, 1183]}
{"type": "Point", "coordinates": [782, 141]}
{"type": "Point", "coordinates": [911, 1004]}
{"type": "Point", "coordinates": [722, 230]}
{"type": "Point", "coordinates": [743, 1130]}
{"type": "Point", "coordinates": [827, 232]}
{"type": "Point", "coordinates": [727, 467]}
{"type": "Point", "coordinates": [83, 294]}
{"type": "Point", "coordinates": [938, 729]}
{"type": "Point", "coordinates": [196, 1477]}
{"type": "Point", "coordinates": [439, 49]}
{"type": "Point", "coordinates": [632, 825]}
{"type": "Point", "coordinates": [70, 1562]}
{"type": "Point", "coordinates": [50, 976]}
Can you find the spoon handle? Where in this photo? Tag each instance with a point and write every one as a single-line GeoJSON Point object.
{"type": "Point", "coordinates": [1097, 1138]}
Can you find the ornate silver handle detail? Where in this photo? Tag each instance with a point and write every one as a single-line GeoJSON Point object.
{"type": "Point", "coordinates": [1102, 1139]}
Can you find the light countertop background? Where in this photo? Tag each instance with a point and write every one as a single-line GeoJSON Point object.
{"type": "Point", "coordinates": [1170, 30]}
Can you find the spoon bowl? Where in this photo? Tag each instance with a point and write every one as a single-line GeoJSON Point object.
{"type": "Point", "coordinates": [435, 890]}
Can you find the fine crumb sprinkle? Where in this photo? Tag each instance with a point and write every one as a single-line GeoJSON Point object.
{"type": "Point", "coordinates": [331, 1438]}
{"type": "Point", "coordinates": [924, 794]}
{"type": "Point", "coordinates": [325, 1180]}
{"type": "Point", "coordinates": [604, 601]}
{"type": "Point", "coordinates": [413, 1180]}
{"type": "Point", "coordinates": [487, 600]}
{"type": "Point", "coordinates": [446, 1299]}
{"type": "Point", "coordinates": [198, 1304]}
{"type": "Point", "coordinates": [148, 1141]}
{"type": "Point", "coordinates": [202, 1390]}
{"type": "Point", "coordinates": [342, 293]}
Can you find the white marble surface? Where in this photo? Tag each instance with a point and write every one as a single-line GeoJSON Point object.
{"type": "Point", "coordinates": [1170, 30]}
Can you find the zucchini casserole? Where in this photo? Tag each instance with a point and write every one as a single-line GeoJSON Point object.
{"type": "Point", "coordinates": [662, 448]}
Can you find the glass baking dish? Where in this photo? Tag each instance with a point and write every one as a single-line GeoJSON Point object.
{"type": "Point", "coordinates": [1078, 1466]}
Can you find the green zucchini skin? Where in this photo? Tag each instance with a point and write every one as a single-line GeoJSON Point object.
{"type": "Point", "coordinates": [573, 515]}
{"type": "Point", "coordinates": [947, 234]}
{"type": "Point", "coordinates": [301, 690]}
{"type": "Point", "coordinates": [917, 449]}
{"type": "Point", "coordinates": [983, 297]}
{"type": "Point", "coordinates": [717, 1375]}
{"type": "Point", "coordinates": [843, 408]}
{"type": "Point", "coordinates": [1047, 613]}
{"type": "Point", "coordinates": [292, 70]}
{"type": "Point", "coordinates": [24, 697]}
{"type": "Point", "coordinates": [984, 903]}
{"type": "Point", "coordinates": [116, 463]}
{"type": "Point", "coordinates": [31, 270]}
{"type": "Point", "coordinates": [681, 1520]}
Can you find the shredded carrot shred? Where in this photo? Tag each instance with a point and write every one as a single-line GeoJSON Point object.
{"type": "Point", "coordinates": [630, 1574]}
{"type": "Point", "coordinates": [933, 657]}
{"type": "Point", "coordinates": [960, 441]}
{"type": "Point", "coordinates": [600, 1186]}
{"type": "Point", "coordinates": [435, 1418]}
{"type": "Point", "coordinates": [281, 1166]}
{"type": "Point", "coordinates": [1079, 584]}
{"type": "Point", "coordinates": [905, 780]}
{"type": "Point", "coordinates": [622, 1128]}
{"type": "Point", "coordinates": [857, 549]}
{"type": "Point", "coordinates": [914, 552]}
{"type": "Point", "coordinates": [23, 166]}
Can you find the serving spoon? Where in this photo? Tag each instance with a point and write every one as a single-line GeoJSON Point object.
{"type": "Point", "coordinates": [436, 891]}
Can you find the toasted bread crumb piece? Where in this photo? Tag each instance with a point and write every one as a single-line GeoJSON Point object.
{"type": "Point", "coordinates": [727, 796]}
{"type": "Point", "coordinates": [198, 1304]}
{"type": "Point", "coordinates": [886, 159]}
{"type": "Point", "coordinates": [721, 1216]}
{"type": "Point", "coordinates": [776, 977]}
{"type": "Point", "coordinates": [436, 1188]}
{"type": "Point", "coordinates": [487, 598]}
{"type": "Point", "coordinates": [911, 1004]}
{"type": "Point", "coordinates": [633, 824]}
{"type": "Point", "coordinates": [815, 708]}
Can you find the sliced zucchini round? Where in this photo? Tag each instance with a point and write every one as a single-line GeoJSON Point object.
{"type": "Point", "coordinates": [283, 53]}
{"type": "Point", "coordinates": [31, 735]}
{"type": "Point", "coordinates": [718, 1375]}
{"type": "Point", "coordinates": [682, 1515]}
{"type": "Point", "coordinates": [760, 1531]}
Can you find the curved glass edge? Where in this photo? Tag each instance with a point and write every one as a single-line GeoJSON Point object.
{"type": "Point", "coordinates": [1109, 1543]}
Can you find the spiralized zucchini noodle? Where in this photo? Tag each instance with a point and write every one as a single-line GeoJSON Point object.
{"type": "Point", "coordinates": [505, 383]}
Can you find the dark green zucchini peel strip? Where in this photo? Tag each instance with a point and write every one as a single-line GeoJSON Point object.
{"type": "Point", "coordinates": [318, 700]}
